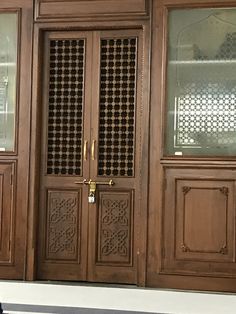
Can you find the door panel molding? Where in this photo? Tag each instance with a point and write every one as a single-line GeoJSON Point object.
{"type": "Point", "coordinates": [59, 10]}
{"type": "Point", "coordinates": [115, 228]}
{"type": "Point", "coordinates": [7, 213]}
{"type": "Point", "coordinates": [199, 229]}
{"type": "Point", "coordinates": [63, 227]}
{"type": "Point", "coordinates": [199, 203]}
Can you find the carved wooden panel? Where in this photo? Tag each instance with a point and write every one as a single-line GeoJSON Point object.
{"type": "Point", "coordinates": [114, 229]}
{"type": "Point", "coordinates": [61, 9]}
{"type": "Point", "coordinates": [63, 225]}
{"type": "Point", "coordinates": [6, 213]}
{"type": "Point", "coordinates": [199, 222]}
{"type": "Point", "coordinates": [117, 107]}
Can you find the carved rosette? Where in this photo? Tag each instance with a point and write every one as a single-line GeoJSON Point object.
{"type": "Point", "coordinates": [224, 190]}
{"type": "Point", "coordinates": [224, 250]}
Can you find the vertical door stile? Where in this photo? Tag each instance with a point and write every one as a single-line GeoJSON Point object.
{"type": "Point", "coordinates": [85, 219]}
{"type": "Point", "coordinates": [94, 125]}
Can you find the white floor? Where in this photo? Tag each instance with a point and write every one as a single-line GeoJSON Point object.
{"type": "Point", "coordinates": [136, 299]}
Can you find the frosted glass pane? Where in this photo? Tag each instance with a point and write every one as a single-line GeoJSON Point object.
{"type": "Point", "coordinates": [201, 82]}
{"type": "Point", "coordinates": [8, 63]}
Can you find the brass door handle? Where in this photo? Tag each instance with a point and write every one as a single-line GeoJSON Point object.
{"type": "Point", "coordinates": [93, 150]}
{"type": "Point", "coordinates": [85, 150]}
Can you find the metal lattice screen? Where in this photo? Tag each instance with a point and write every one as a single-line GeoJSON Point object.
{"type": "Point", "coordinates": [65, 108]}
{"type": "Point", "coordinates": [117, 107]}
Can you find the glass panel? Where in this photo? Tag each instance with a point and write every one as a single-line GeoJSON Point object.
{"type": "Point", "coordinates": [65, 106]}
{"type": "Point", "coordinates": [117, 107]}
{"type": "Point", "coordinates": [8, 64]}
{"type": "Point", "coordinates": [201, 83]}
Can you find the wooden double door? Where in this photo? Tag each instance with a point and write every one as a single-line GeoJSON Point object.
{"type": "Point", "coordinates": [90, 136]}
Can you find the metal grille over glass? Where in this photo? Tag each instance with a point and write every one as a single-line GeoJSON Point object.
{"type": "Point", "coordinates": [8, 73]}
{"type": "Point", "coordinates": [65, 108]}
{"type": "Point", "coordinates": [117, 107]}
{"type": "Point", "coordinates": [201, 83]}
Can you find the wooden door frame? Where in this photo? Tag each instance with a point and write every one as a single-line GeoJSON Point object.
{"type": "Point", "coordinates": [158, 163]}
{"type": "Point", "coordinates": [143, 24]}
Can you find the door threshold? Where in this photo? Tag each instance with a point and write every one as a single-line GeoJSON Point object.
{"type": "Point", "coordinates": [86, 284]}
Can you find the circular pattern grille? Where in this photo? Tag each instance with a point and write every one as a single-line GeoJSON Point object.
{"type": "Point", "coordinates": [65, 107]}
{"type": "Point", "coordinates": [206, 116]}
{"type": "Point", "coordinates": [117, 107]}
{"type": "Point", "coordinates": [206, 104]}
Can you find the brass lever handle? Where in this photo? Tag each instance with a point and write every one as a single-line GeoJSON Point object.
{"type": "Point", "coordinates": [93, 150]}
{"type": "Point", "coordinates": [85, 150]}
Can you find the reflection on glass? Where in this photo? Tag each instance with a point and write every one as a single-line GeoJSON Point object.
{"type": "Point", "coordinates": [201, 86]}
{"type": "Point", "coordinates": [8, 62]}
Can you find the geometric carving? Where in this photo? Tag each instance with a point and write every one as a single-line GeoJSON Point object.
{"type": "Point", "coordinates": [62, 225]}
{"type": "Point", "coordinates": [65, 106]}
{"type": "Point", "coordinates": [224, 250]}
{"type": "Point", "coordinates": [224, 190]}
{"type": "Point", "coordinates": [114, 228]}
{"type": "Point", "coordinates": [185, 248]}
{"type": "Point", "coordinates": [114, 242]}
{"type": "Point", "coordinates": [186, 189]}
{"type": "Point", "coordinates": [115, 211]}
{"type": "Point", "coordinates": [117, 107]}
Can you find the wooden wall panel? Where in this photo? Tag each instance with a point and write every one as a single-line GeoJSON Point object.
{"type": "Point", "coordinates": [6, 213]}
{"type": "Point", "coordinates": [59, 9]}
{"type": "Point", "coordinates": [204, 215]}
{"type": "Point", "coordinates": [199, 227]}
{"type": "Point", "coordinates": [115, 224]}
{"type": "Point", "coordinates": [63, 225]}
